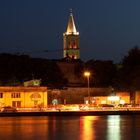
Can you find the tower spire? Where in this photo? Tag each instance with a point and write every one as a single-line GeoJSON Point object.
{"type": "Point", "coordinates": [71, 28]}
{"type": "Point", "coordinates": [71, 40]}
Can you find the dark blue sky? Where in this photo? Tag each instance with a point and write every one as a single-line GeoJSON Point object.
{"type": "Point", "coordinates": [108, 28]}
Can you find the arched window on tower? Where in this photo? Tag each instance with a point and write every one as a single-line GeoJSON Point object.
{"type": "Point", "coordinates": [74, 45]}
{"type": "Point", "coordinates": [69, 45]}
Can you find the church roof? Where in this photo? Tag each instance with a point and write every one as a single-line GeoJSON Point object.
{"type": "Point", "coordinates": [71, 28]}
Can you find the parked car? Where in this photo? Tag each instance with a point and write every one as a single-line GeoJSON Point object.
{"type": "Point", "coordinates": [125, 105]}
{"type": "Point", "coordinates": [8, 109]}
{"type": "Point", "coordinates": [106, 105]}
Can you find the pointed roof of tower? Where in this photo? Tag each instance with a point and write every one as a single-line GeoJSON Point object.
{"type": "Point", "coordinates": [71, 28]}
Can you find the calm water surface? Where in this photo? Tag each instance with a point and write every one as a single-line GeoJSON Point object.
{"type": "Point", "coordinates": [111, 127]}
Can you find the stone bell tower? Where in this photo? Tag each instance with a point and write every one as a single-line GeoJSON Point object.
{"type": "Point", "coordinates": [71, 40]}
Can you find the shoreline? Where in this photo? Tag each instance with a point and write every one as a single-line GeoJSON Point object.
{"type": "Point", "coordinates": [70, 113]}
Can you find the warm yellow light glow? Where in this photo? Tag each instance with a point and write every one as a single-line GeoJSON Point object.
{"type": "Point", "coordinates": [87, 130]}
{"type": "Point", "coordinates": [103, 102]}
{"type": "Point", "coordinates": [74, 33]}
{"type": "Point", "coordinates": [86, 101]}
{"type": "Point", "coordinates": [113, 98]}
{"type": "Point", "coordinates": [122, 102]}
{"type": "Point", "coordinates": [87, 74]}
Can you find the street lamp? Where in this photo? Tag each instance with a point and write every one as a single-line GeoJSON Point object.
{"type": "Point", "coordinates": [87, 74]}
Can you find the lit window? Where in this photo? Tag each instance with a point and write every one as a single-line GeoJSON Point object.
{"type": "Point", "coordinates": [15, 95]}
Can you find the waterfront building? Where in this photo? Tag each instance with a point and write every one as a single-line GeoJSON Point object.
{"type": "Point", "coordinates": [120, 98]}
{"type": "Point", "coordinates": [96, 96]}
{"type": "Point", "coordinates": [71, 40]}
{"type": "Point", "coordinates": [23, 97]}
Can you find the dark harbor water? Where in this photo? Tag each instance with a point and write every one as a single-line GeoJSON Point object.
{"type": "Point", "coordinates": [111, 127]}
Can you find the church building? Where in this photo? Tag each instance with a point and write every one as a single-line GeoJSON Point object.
{"type": "Point", "coordinates": [71, 40]}
{"type": "Point", "coordinates": [71, 63]}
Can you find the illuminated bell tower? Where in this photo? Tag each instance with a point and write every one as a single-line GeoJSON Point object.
{"type": "Point", "coordinates": [71, 40]}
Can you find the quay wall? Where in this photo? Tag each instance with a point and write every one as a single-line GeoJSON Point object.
{"type": "Point", "coordinates": [71, 113]}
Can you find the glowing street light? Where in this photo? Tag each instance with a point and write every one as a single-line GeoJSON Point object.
{"type": "Point", "coordinates": [87, 74]}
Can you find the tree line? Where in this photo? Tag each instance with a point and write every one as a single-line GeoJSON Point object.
{"type": "Point", "coordinates": [16, 69]}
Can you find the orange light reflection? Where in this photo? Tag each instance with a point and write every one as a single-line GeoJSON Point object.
{"type": "Point", "coordinates": [87, 127]}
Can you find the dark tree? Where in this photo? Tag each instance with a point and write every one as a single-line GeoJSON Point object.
{"type": "Point", "coordinates": [128, 75]}
{"type": "Point", "coordinates": [102, 72]}
{"type": "Point", "coordinates": [15, 69]}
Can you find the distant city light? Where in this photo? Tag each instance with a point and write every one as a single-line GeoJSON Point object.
{"type": "Point", "coordinates": [122, 102]}
{"type": "Point", "coordinates": [113, 98]}
{"type": "Point", "coordinates": [103, 102]}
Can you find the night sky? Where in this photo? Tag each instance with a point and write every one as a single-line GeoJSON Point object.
{"type": "Point", "coordinates": [108, 28]}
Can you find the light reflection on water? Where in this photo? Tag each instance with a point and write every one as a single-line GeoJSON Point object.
{"type": "Point", "coordinates": [111, 127]}
{"type": "Point", "coordinates": [87, 127]}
